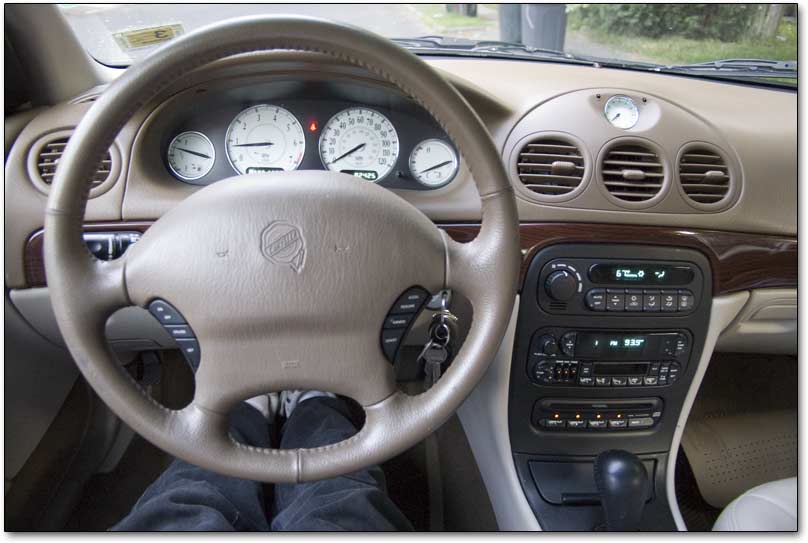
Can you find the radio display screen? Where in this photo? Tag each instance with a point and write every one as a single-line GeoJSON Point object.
{"type": "Point", "coordinates": [592, 345]}
{"type": "Point", "coordinates": [621, 369]}
{"type": "Point", "coordinates": [646, 274]}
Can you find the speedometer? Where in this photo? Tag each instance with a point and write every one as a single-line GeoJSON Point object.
{"type": "Point", "coordinates": [360, 142]}
{"type": "Point", "coordinates": [265, 138]}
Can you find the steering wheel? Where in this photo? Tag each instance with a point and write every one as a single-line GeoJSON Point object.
{"type": "Point", "coordinates": [266, 322]}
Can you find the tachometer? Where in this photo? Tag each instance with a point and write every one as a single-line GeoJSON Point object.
{"type": "Point", "coordinates": [265, 138]}
{"type": "Point", "coordinates": [191, 155]}
{"type": "Point", "coordinates": [360, 142]}
{"type": "Point", "coordinates": [433, 163]}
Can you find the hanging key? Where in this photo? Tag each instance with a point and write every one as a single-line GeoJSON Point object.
{"type": "Point", "coordinates": [434, 356]}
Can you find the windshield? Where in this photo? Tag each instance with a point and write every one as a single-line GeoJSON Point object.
{"type": "Point", "coordinates": [684, 36]}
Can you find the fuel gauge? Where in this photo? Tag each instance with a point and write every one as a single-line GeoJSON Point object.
{"type": "Point", "coordinates": [433, 163]}
{"type": "Point", "coordinates": [191, 155]}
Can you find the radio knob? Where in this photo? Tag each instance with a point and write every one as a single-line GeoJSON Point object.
{"type": "Point", "coordinates": [561, 285]}
{"type": "Point", "coordinates": [548, 345]}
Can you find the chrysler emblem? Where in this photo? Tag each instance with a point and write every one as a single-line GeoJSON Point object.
{"type": "Point", "coordinates": [283, 243]}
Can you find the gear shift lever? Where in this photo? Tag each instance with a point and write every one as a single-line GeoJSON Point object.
{"type": "Point", "coordinates": [623, 484]}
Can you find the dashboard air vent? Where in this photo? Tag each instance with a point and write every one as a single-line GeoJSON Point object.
{"type": "Point", "coordinates": [704, 175]}
{"type": "Point", "coordinates": [550, 166]}
{"type": "Point", "coordinates": [49, 156]}
{"type": "Point", "coordinates": [632, 173]}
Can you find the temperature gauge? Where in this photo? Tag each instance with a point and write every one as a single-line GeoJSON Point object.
{"type": "Point", "coordinates": [191, 155]}
{"type": "Point", "coordinates": [433, 163]}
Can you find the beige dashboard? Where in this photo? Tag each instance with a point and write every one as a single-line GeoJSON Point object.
{"type": "Point", "coordinates": [749, 135]}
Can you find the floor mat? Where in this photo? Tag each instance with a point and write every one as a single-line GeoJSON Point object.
{"type": "Point", "coordinates": [699, 516]}
{"type": "Point", "coordinates": [731, 454]}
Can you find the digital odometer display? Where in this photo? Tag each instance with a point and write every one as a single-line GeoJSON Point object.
{"type": "Point", "coordinates": [649, 274]}
{"type": "Point", "coordinates": [367, 175]}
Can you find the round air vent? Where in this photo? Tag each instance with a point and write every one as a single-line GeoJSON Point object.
{"type": "Point", "coordinates": [551, 167]}
{"type": "Point", "coordinates": [633, 173]}
{"type": "Point", "coordinates": [704, 176]}
{"type": "Point", "coordinates": [45, 154]}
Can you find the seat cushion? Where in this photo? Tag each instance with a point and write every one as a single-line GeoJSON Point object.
{"type": "Point", "coordinates": [771, 507]}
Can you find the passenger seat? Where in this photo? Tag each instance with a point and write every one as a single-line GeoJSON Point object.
{"type": "Point", "coordinates": [770, 507]}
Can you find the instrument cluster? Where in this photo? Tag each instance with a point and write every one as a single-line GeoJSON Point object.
{"type": "Point", "coordinates": [364, 131]}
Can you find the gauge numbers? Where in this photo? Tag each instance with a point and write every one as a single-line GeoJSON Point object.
{"type": "Point", "coordinates": [360, 142]}
{"type": "Point", "coordinates": [433, 163]}
{"type": "Point", "coordinates": [265, 138]}
{"type": "Point", "coordinates": [621, 112]}
{"type": "Point", "coordinates": [191, 155]}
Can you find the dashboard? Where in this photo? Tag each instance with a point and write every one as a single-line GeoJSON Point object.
{"type": "Point", "coordinates": [369, 132]}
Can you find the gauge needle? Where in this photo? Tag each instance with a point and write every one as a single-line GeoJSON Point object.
{"type": "Point", "coordinates": [343, 155]}
{"type": "Point", "coordinates": [256, 144]}
{"type": "Point", "coordinates": [615, 117]}
{"type": "Point", "coordinates": [436, 166]}
{"type": "Point", "coordinates": [197, 153]}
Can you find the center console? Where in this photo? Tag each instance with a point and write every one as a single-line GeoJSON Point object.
{"type": "Point", "coordinates": [607, 343]}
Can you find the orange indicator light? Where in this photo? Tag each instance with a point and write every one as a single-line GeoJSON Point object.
{"type": "Point", "coordinates": [313, 126]}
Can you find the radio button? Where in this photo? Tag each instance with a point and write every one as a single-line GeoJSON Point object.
{"type": "Point", "coordinates": [618, 381]}
{"type": "Point", "coordinates": [663, 380]}
{"type": "Point", "coordinates": [634, 300]}
{"type": "Point", "coordinates": [650, 381]}
{"type": "Point", "coordinates": [685, 300]}
{"type": "Point", "coordinates": [603, 381]}
{"type": "Point", "coordinates": [586, 381]}
{"type": "Point", "coordinates": [596, 299]}
{"type": "Point", "coordinates": [650, 300]}
{"type": "Point", "coordinates": [681, 344]}
{"type": "Point", "coordinates": [615, 300]}
{"type": "Point", "coordinates": [654, 369]}
{"type": "Point", "coordinates": [586, 370]}
{"type": "Point", "coordinates": [568, 344]}
{"type": "Point", "coordinates": [669, 301]}
{"type": "Point", "coordinates": [635, 381]}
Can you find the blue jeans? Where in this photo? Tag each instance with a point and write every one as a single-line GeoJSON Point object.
{"type": "Point", "coordinates": [187, 497]}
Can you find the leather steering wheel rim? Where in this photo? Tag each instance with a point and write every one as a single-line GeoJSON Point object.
{"type": "Point", "coordinates": [86, 291]}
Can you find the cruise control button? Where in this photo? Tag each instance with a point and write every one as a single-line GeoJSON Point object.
{"type": "Point", "coordinates": [634, 299]}
{"type": "Point", "coordinates": [685, 300]}
{"type": "Point", "coordinates": [165, 312]}
{"type": "Point", "coordinates": [410, 302]}
{"type": "Point", "coordinates": [596, 299]}
{"type": "Point", "coordinates": [190, 350]}
{"type": "Point", "coordinates": [651, 381]}
{"type": "Point", "coordinates": [618, 381]}
{"type": "Point", "coordinates": [398, 321]}
{"type": "Point", "coordinates": [669, 300]}
{"type": "Point", "coordinates": [390, 342]}
{"type": "Point", "coordinates": [181, 331]}
{"type": "Point", "coordinates": [617, 423]}
{"type": "Point", "coordinates": [650, 300]}
{"type": "Point", "coordinates": [615, 300]}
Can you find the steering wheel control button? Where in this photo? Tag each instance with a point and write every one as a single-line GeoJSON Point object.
{"type": "Point", "coordinates": [165, 312]}
{"type": "Point", "coordinates": [391, 339]}
{"type": "Point", "coordinates": [596, 299]}
{"type": "Point", "coordinates": [410, 302]}
{"type": "Point", "coordinates": [181, 331]}
{"type": "Point", "coordinates": [397, 321]}
{"type": "Point", "coordinates": [615, 300]}
{"type": "Point", "coordinates": [190, 350]}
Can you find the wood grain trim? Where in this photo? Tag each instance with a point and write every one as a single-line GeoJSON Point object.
{"type": "Point", "coordinates": [740, 261]}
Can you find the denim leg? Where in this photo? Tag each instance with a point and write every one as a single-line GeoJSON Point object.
{"type": "Point", "coordinates": [355, 502]}
{"type": "Point", "coordinates": [187, 497]}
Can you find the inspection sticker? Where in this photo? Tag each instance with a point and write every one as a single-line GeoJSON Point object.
{"type": "Point", "coordinates": [145, 37]}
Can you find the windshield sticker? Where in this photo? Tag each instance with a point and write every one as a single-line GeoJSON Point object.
{"type": "Point", "coordinates": [146, 37]}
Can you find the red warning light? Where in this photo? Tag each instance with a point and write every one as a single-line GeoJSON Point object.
{"type": "Point", "coordinates": [313, 126]}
